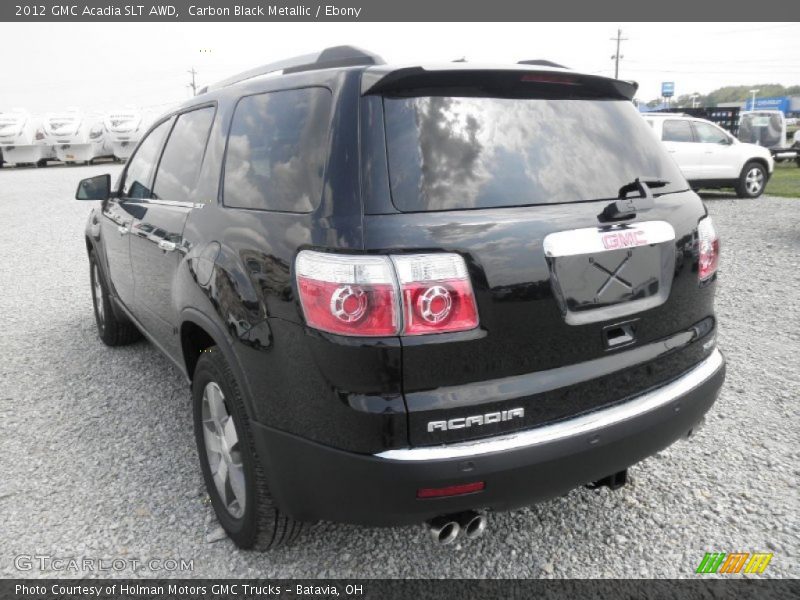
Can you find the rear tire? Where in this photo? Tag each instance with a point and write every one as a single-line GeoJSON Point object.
{"type": "Point", "coordinates": [752, 181]}
{"type": "Point", "coordinates": [233, 475]}
{"type": "Point", "coordinates": [112, 330]}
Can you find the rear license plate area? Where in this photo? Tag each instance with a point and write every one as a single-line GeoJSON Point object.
{"type": "Point", "coordinates": [603, 273]}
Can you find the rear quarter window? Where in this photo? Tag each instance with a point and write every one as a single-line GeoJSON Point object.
{"type": "Point", "coordinates": [277, 151]}
{"type": "Point", "coordinates": [675, 130]}
{"type": "Point", "coordinates": [453, 153]}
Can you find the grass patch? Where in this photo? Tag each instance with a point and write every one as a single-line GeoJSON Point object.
{"type": "Point", "coordinates": [785, 180]}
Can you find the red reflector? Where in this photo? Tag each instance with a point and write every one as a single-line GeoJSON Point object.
{"type": "Point", "coordinates": [451, 490]}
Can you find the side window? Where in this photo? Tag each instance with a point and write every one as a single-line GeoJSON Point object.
{"type": "Point", "coordinates": [141, 166]}
{"type": "Point", "coordinates": [677, 131]}
{"type": "Point", "coordinates": [708, 134]}
{"type": "Point", "coordinates": [183, 155]}
{"type": "Point", "coordinates": [277, 150]}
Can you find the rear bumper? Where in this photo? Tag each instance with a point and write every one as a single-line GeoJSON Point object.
{"type": "Point", "coordinates": [311, 481]}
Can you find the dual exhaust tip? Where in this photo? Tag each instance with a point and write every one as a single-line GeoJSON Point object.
{"type": "Point", "coordinates": [446, 528]}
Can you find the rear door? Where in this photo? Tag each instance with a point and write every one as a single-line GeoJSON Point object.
{"type": "Point", "coordinates": [119, 212]}
{"type": "Point", "coordinates": [575, 311]}
{"type": "Point", "coordinates": [678, 137]}
{"type": "Point", "coordinates": [157, 247]}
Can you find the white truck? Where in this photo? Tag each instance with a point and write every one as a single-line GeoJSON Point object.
{"type": "Point", "coordinates": [767, 128]}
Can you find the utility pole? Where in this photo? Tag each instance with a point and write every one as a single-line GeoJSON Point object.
{"type": "Point", "coordinates": [617, 56]}
{"type": "Point", "coordinates": [193, 85]}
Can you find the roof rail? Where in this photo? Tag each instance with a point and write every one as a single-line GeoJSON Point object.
{"type": "Point", "coordinates": [336, 56]}
{"type": "Point", "coordinates": [540, 62]}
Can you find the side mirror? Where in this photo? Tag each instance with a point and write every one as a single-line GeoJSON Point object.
{"type": "Point", "coordinates": [94, 188]}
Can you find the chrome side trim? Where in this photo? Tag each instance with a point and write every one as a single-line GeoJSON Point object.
{"type": "Point", "coordinates": [175, 203]}
{"type": "Point", "coordinates": [573, 427]}
{"type": "Point", "coordinates": [589, 240]}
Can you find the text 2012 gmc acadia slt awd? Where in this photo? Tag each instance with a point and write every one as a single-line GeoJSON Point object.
{"type": "Point", "coordinates": [407, 294]}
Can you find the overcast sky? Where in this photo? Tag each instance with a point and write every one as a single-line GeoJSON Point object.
{"type": "Point", "coordinates": [97, 66]}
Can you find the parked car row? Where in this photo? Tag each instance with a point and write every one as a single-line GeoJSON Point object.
{"type": "Point", "coordinates": [70, 136]}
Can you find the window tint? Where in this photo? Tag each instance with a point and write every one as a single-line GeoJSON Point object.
{"type": "Point", "coordinates": [708, 134]}
{"type": "Point", "coordinates": [277, 149]}
{"type": "Point", "coordinates": [677, 131]}
{"type": "Point", "coordinates": [183, 155]}
{"type": "Point", "coordinates": [450, 153]}
{"type": "Point", "coordinates": [141, 166]}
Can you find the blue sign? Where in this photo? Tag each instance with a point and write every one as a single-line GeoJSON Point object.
{"type": "Point", "coordinates": [667, 89]}
{"type": "Point", "coordinates": [780, 103]}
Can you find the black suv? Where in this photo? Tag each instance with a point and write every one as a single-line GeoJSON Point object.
{"type": "Point", "coordinates": [406, 294]}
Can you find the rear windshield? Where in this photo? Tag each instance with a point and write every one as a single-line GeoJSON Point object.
{"type": "Point", "coordinates": [451, 153]}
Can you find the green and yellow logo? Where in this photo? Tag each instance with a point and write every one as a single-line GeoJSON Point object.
{"type": "Point", "coordinates": [734, 562]}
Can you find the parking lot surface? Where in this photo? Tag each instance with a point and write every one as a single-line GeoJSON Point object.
{"type": "Point", "coordinates": [99, 461]}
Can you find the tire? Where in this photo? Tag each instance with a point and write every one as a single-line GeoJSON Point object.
{"type": "Point", "coordinates": [218, 406]}
{"type": "Point", "coordinates": [752, 181]}
{"type": "Point", "coordinates": [112, 330]}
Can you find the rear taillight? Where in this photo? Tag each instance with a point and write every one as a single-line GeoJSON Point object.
{"type": "Point", "coordinates": [436, 292]}
{"type": "Point", "coordinates": [349, 295]}
{"type": "Point", "coordinates": [382, 295]}
{"type": "Point", "coordinates": [708, 248]}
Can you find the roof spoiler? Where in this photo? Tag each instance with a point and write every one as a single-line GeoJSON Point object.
{"type": "Point", "coordinates": [513, 81]}
{"type": "Point", "coordinates": [336, 56]}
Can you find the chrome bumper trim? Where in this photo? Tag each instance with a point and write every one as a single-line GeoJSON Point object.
{"type": "Point", "coordinates": [583, 425]}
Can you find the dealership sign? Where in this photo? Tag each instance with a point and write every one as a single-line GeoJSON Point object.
{"type": "Point", "coordinates": [668, 89]}
{"type": "Point", "coordinates": [775, 103]}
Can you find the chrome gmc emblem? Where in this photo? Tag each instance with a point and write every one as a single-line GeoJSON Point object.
{"type": "Point", "coordinates": [487, 419]}
{"type": "Point", "coordinates": [623, 239]}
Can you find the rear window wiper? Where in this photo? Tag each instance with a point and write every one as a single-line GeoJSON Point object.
{"type": "Point", "coordinates": [625, 207]}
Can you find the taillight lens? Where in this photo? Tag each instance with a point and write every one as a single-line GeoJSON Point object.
{"type": "Point", "coordinates": [381, 295]}
{"type": "Point", "coordinates": [348, 295]}
{"type": "Point", "coordinates": [436, 292]}
{"type": "Point", "coordinates": [709, 249]}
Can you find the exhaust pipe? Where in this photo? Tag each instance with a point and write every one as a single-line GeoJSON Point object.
{"type": "Point", "coordinates": [444, 530]}
{"type": "Point", "coordinates": [472, 523]}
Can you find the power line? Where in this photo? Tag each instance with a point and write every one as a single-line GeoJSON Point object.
{"type": "Point", "coordinates": [617, 56]}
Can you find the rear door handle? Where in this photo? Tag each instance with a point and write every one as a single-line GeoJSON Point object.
{"type": "Point", "coordinates": [167, 246]}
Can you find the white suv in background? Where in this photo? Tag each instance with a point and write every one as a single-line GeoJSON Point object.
{"type": "Point", "coordinates": [710, 157]}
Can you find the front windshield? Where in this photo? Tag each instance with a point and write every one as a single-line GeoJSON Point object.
{"type": "Point", "coordinates": [123, 122]}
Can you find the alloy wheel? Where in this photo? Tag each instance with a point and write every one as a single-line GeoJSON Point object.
{"type": "Point", "coordinates": [754, 180]}
{"type": "Point", "coordinates": [223, 450]}
{"type": "Point", "coordinates": [97, 292]}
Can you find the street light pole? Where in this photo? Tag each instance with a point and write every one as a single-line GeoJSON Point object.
{"type": "Point", "coordinates": [754, 92]}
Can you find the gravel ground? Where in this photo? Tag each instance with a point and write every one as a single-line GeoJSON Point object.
{"type": "Point", "coordinates": [99, 457]}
